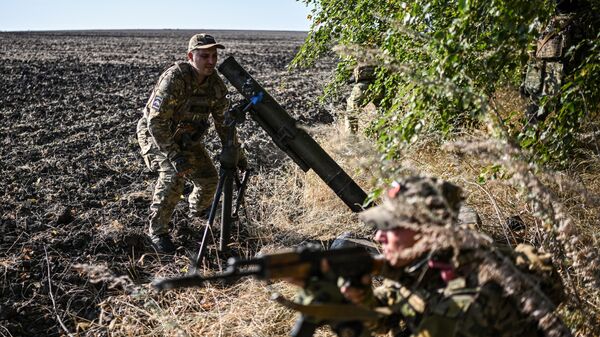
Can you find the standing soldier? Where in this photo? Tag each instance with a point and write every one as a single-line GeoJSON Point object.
{"type": "Point", "coordinates": [444, 280]}
{"type": "Point", "coordinates": [171, 133]}
{"type": "Point", "coordinates": [362, 77]}
{"type": "Point", "coordinates": [552, 61]}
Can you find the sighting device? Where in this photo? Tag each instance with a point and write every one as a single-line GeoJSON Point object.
{"type": "Point", "coordinates": [284, 132]}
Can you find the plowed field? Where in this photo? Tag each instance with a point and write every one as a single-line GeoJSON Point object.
{"type": "Point", "coordinates": [73, 187]}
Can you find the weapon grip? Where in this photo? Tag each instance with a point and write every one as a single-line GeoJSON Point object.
{"type": "Point", "coordinates": [303, 328]}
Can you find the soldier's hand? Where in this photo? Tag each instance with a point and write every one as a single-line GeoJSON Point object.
{"type": "Point", "coordinates": [181, 165]}
{"type": "Point", "coordinates": [357, 294]}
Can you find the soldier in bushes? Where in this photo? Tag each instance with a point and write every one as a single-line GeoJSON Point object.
{"type": "Point", "coordinates": [441, 279]}
{"type": "Point", "coordinates": [171, 133]}
{"type": "Point", "coordinates": [362, 76]}
{"type": "Point", "coordinates": [556, 56]}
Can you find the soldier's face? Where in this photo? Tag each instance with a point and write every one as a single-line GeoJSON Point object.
{"type": "Point", "coordinates": [204, 60]}
{"type": "Point", "coordinates": [394, 241]}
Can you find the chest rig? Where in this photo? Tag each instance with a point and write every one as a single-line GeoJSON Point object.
{"type": "Point", "coordinates": [190, 120]}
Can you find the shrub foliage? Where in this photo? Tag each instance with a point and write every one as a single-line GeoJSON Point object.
{"type": "Point", "coordinates": [440, 62]}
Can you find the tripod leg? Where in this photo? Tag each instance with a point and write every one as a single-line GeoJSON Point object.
{"type": "Point", "coordinates": [216, 199]}
{"type": "Point", "coordinates": [211, 219]}
{"type": "Point", "coordinates": [226, 210]}
{"type": "Point", "coordinates": [240, 194]}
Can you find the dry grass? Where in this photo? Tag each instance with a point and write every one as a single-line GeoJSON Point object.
{"type": "Point", "coordinates": [291, 207]}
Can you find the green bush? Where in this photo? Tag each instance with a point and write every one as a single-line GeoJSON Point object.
{"type": "Point", "coordinates": [439, 62]}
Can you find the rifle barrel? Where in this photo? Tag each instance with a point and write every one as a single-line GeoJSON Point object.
{"type": "Point", "coordinates": [197, 280]}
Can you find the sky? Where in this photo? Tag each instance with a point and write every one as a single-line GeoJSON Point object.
{"type": "Point", "coordinates": [29, 15]}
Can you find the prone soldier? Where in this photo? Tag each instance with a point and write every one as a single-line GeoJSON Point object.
{"type": "Point", "coordinates": [440, 277]}
{"type": "Point", "coordinates": [171, 131]}
{"type": "Point", "coordinates": [444, 280]}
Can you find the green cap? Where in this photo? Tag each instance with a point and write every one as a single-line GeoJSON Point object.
{"type": "Point", "coordinates": [203, 41]}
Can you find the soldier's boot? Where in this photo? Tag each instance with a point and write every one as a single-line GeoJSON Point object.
{"type": "Point", "coordinates": [163, 244]}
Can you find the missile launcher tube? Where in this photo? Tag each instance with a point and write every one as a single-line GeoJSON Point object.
{"type": "Point", "coordinates": [294, 141]}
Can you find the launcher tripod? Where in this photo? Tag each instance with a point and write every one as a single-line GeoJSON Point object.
{"type": "Point", "coordinates": [227, 175]}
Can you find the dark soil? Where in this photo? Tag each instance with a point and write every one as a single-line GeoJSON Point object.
{"type": "Point", "coordinates": [74, 187]}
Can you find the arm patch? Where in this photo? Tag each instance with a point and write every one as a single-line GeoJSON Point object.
{"type": "Point", "coordinates": [157, 102]}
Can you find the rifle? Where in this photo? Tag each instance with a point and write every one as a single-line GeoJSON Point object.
{"type": "Point", "coordinates": [322, 301]}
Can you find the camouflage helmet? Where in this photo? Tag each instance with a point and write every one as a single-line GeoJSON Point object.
{"type": "Point", "coordinates": [415, 202]}
{"type": "Point", "coordinates": [203, 41]}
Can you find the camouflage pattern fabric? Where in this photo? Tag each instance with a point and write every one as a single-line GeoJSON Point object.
{"type": "Point", "coordinates": [363, 77]}
{"type": "Point", "coordinates": [458, 283]}
{"type": "Point", "coordinates": [552, 62]}
{"type": "Point", "coordinates": [354, 104]}
{"type": "Point", "coordinates": [416, 203]}
{"type": "Point", "coordinates": [175, 120]}
{"type": "Point", "coordinates": [169, 187]}
{"type": "Point", "coordinates": [459, 308]}
{"type": "Point", "coordinates": [546, 69]}
{"type": "Point", "coordinates": [323, 291]}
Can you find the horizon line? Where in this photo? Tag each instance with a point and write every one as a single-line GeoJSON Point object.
{"type": "Point", "coordinates": [148, 29]}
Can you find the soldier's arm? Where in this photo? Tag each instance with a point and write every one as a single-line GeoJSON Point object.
{"type": "Point", "coordinates": [168, 97]}
{"type": "Point", "coordinates": [406, 305]}
{"type": "Point", "coordinates": [399, 301]}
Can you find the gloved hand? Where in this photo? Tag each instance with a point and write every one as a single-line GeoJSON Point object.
{"type": "Point", "coordinates": [357, 293]}
{"type": "Point", "coordinates": [181, 165]}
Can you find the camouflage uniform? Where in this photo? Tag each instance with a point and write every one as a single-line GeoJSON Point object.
{"type": "Point", "coordinates": [175, 120]}
{"type": "Point", "coordinates": [431, 306]}
{"type": "Point", "coordinates": [457, 284]}
{"type": "Point", "coordinates": [549, 64]}
{"type": "Point", "coordinates": [362, 77]}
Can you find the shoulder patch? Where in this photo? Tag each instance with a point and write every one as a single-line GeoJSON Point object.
{"type": "Point", "coordinates": [157, 102]}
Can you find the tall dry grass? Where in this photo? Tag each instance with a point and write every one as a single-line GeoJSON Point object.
{"type": "Point", "coordinates": [290, 207]}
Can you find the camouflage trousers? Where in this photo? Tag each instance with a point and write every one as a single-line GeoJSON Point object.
{"type": "Point", "coordinates": [169, 186]}
{"type": "Point", "coordinates": [354, 105]}
{"type": "Point", "coordinates": [548, 66]}
{"type": "Point", "coordinates": [542, 79]}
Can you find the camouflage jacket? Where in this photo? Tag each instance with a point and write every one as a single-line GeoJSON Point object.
{"type": "Point", "coordinates": [428, 303]}
{"type": "Point", "coordinates": [179, 108]}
